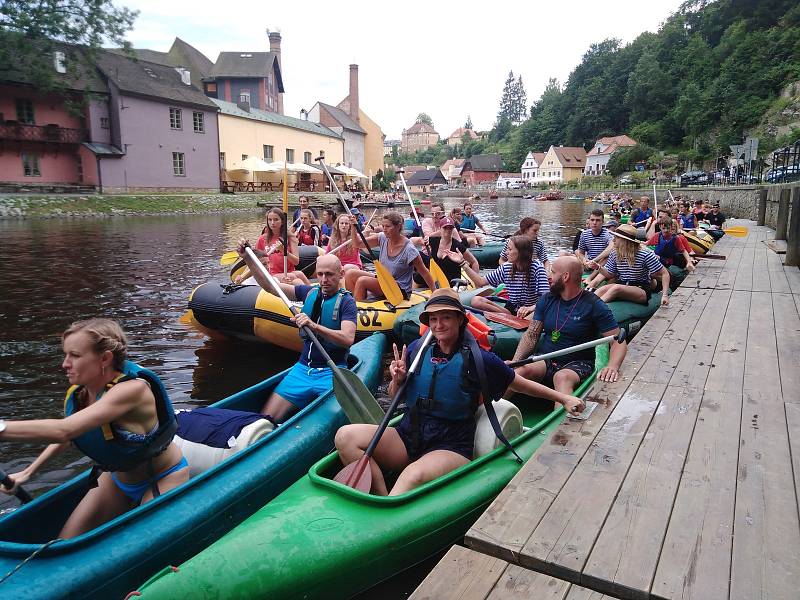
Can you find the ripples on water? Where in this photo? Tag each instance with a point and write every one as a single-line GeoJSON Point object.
{"type": "Point", "coordinates": [140, 270]}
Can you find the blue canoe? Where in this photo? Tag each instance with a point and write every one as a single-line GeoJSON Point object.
{"type": "Point", "coordinates": [109, 561]}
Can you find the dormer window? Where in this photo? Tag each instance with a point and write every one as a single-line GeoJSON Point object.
{"type": "Point", "coordinates": [244, 96]}
{"type": "Point", "coordinates": [245, 55]}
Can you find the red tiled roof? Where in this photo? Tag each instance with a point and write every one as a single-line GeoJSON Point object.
{"type": "Point", "coordinates": [570, 157]}
{"type": "Point", "coordinates": [459, 133]}
{"type": "Point", "coordinates": [420, 128]}
{"type": "Point", "coordinates": [612, 144]}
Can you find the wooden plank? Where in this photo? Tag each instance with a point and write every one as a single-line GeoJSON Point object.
{"type": "Point", "coordinates": [462, 574]}
{"type": "Point", "coordinates": [787, 337]}
{"type": "Point", "coordinates": [577, 592]}
{"type": "Point", "coordinates": [793, 277]}
{"type": "Point", "coordinates": [517, 583]}
{"type": "Point", "coordinates": [727, 278]}
{"type": "Point", "coordinates": [560, 544]}
{"type": "Point", "coordinates": [638, 521]}
{"type": "Point", "coordinates": [777, 275]}
{"type": "Point", "coordinates": [508, 522]}
{"type": "Point", "coordinates": [662, 361]}
{"type": "Point", "coordinates": [761, 278]}
{"type": "Point", "coordinates": [793, 428]}
{"type": "Point", "coordinates": [695, 557]}
{"type": "Point", "coordinates": [776, 246]}
{"type": "Point", "coordinates": [744, 272]}
{"type": "Point", "coordinates": [766, 543]}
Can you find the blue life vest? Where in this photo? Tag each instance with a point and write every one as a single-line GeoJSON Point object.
{"type": "Point", "coordinates": [326, 312]}
{"type": "Point", "coordinates": [687, 220]}
{"type": "Point", "coordinates": [642, 215]}
{"type": "Point", "coordinates": [469, 222]}
{"type": "Point", "coordinates": [666, 249]}
{"type": "Point", "coordinates": [442, 389]}
{"type": "Point", "coordinates": [104, 446]}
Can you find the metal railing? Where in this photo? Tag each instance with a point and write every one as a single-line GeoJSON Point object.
{"type": "Point", "coordinates": [23, 132]}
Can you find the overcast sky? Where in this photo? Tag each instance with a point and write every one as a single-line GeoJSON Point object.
{"type": "Point", "coordinates": [448, 59]}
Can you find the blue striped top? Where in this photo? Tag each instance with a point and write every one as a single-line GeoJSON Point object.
{"type": "Point", "coordinates": [645, 266]}
{"type": "Point", "coordinates": [519, 292]}
{"type": "Point", "coordinates": [593, 244]}
{"type": "Point", "coordinates": [538, 251]}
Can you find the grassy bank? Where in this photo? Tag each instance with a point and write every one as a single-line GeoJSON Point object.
{"type": "Point", "coordinates": [67, 205]}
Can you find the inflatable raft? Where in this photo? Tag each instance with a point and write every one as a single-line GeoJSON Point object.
{"type": "Point", "coordinates": [108, 561]}
{"type": "Point", "coordinates": [320, 539]}
{"type": "Point", "coordinates": [250, 313]}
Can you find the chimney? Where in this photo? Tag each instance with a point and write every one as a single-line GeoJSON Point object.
{"type": "Point", "coordinates": [275, 48]}
{"type": "Point", "coordinates": [354, 93]}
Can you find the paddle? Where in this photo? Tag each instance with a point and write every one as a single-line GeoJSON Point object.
{"type": "Point", "coordinates": [355, 399]}
{"type": "Point", "coordinates": [357, 474]}
{"type": "Point", "coordinates": [711, 256]}
{"type": "Point", "coordinates": [436, 271]}
{"type": "Point", "coordinates": [23, 496]}
{"type": "Point", "coordinates": [497, 235]}
{"type": "Point", "coordinates": [619, 338]}
{"type": "Point", "coordinates": [337, 248]}
{"type": "Point", "coordinates": [388, 285]}
{"type": "Point", "coordinates": [229, 258]}
{"type": "Point", "coordinates": [735, 231]}
{"type": "Point", "coordinates": [511, 320]}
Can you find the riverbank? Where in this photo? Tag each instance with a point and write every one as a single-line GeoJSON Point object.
{"type": "Point", "coordinates": [20, 206]}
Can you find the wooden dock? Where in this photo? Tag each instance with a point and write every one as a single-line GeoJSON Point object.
{"type": "Point", "coordinates": [684, 484]}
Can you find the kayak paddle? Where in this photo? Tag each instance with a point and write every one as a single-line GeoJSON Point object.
{"type": "Point", "coordinates": [358, 475]}
{"type": "Point", "coordinates": [356, 400]}
{"type": "Point", "coordinates": [388, 285]}
{"type": "Point", "coordinates": [229, 258]}
{"type": "Point", "coordinates": [505, 319]}
{"type": "Point", "coordinates": [735, 231]}
{"type": "Point", "coordinates": [497, 235]}
{"type": "Point", "coordinates": [436, 271]}
{"type": "Point", "coordinates": [619, 338]}
{"type": "Point", "coordinates": [23, 496]}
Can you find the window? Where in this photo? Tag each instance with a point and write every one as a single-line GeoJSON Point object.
{"type": "Point", "coordinates": [307, 157]}
{"type": "Point", "coordinates": [244, 96]}
{"type": "Point", "coordinates": [221, 160]}
{"type": "Point", "coordinates": [268, 153]}
{"type": "Point", "coordinates": [290, 155]}
{"type": "Point", "coordinates": [199, 122]}
{"type": "Point", "coordinates": [211, 87]}
{"type": "Point", "coordinates": [178, 164]}
{"type": "Point", "coordinates": [30, 165]}
{"type": "Point", "coordinates": [104, 123]}
{"type": "Point", "coordinates": [25, 110]}
{"type": "Point", "coordinates": [175, 121]}
{"type": "Point", "coordinates": [322, 153]}
{"type": "Point", "coordinates": [244, 156]}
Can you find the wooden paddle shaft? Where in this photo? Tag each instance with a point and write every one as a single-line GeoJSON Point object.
{"type": "Point", "coordinates": [619, 338]}
{"type": "Point", "coordinates": [23, 496]}
{"type": "Point", "coordinates": [292, 309]}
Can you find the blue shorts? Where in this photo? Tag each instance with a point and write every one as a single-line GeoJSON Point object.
{"type": "Point", "coordinates": [437, 434]}
{"type": "Point", "coordinates": [303, 384]}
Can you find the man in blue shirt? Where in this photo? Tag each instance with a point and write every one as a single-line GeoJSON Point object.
{"type": "Point", "coordinates": [569, 316]}
{"type": "Point", "coordinates": [330, 312]}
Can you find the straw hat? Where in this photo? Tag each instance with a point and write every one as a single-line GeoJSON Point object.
{"type": "Point", "coordinates": [441, 299]}
{"type": "Point", "coordinates": [625, 232]}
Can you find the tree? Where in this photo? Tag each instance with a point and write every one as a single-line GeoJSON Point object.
{"type": "Point", "coordinates": [513, 102]}
{"type": "Point", "coordinates": [468, 124]}
{"type": "Point", "coordinates": [424, 118]}
{"type": "Point", "coordinates": [32, 31]}
{"type": "Point", "coordinates": [520, 102]}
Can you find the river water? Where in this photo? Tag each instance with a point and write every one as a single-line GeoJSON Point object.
{"type": "Point", "coordinates": [140, 271]}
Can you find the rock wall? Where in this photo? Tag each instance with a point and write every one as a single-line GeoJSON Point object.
{"type": "Point", "coordinates": [741, 202]}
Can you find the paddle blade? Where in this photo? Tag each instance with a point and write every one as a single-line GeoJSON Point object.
{"type": "Point", "coordinates": [737, 231]}
{"type": "Point", "coordinates": [229, 258]}
{"type": "Point", "coordinates": [361, 407]}
{"type": "Point", "coordinates": [388, 285]}
{"type": "Point", "coordinates": [438, 275]}
{"type": "Point", "coordinates": [510, 320]}
{"type": "Point", "coordinates": [356, 475]}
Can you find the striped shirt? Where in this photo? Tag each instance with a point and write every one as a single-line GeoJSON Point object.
{"type": "Point", "coordinates": [645, 266]}
{"type": "Point", "coordinates": [593, 244]}
{"type": "Point", "coordinates": [521, 293]}
{"type": "Point", "coordinates": [538, 251]}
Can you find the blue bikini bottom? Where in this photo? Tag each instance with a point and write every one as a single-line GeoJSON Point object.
{"type": "Point", "coordinates": [135, 491]}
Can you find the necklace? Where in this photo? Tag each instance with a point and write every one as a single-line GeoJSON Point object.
{"type": "Point", "coordinates": [556, 333]}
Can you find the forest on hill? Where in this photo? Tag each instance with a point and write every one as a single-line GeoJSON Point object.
{"type": "Point", "coordinates": [712, 74]}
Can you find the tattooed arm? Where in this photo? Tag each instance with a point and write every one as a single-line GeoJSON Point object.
{"type": "Point", "coordinates": [528, 342]}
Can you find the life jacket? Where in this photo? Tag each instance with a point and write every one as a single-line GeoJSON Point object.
{"type": "Point", "coordinates": [468, 222]}
{"type": "Point", "coordinates": [310, 237]}
{"type": "Point", "coordinates": [442, 389]}
{"type": "Point", "coordinates": [326, 312]}
{"type": "Point", "coordinates": [666, 249]}
{"type": "Point", "coordinates": [479, 330]}
{"type": "Point", "coordinates": [687, 221]}
{"type": "Point", "coordinates": [104, 446]}
{"type": "Point", "coordinates": [643, 215]}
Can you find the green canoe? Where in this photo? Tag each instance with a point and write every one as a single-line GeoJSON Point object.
{"type": "Point", "coordinates": [320, 539]}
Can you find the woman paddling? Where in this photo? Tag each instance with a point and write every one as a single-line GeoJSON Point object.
{"type": "Point", "coordinates": [524, 277]}
{"type": "Point", "coordinates": [116, 413]}
{"type": "Point", "coordinates": [397, 254]}
{"type": "Point", "coordinates": [437, 432]}
{"type": "Point", "coordinates": [349, 256]}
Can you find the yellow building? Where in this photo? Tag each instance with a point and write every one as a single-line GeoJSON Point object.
{"type": "Point", "coordinates": [246, 131]}
{"type": "Point", "coordinates": [562, 163]}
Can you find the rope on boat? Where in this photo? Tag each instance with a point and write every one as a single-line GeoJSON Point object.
{"type": "Point", "coordinates": [31, 557]}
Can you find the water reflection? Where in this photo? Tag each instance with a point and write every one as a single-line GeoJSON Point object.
{"type": "Point", "coordinates": [140, 270]}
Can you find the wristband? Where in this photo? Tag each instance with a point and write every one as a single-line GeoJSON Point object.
{"type": "Point", "coordinates": [462, 263]}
